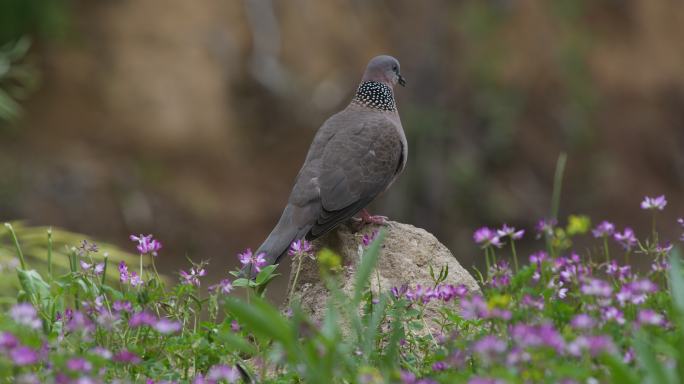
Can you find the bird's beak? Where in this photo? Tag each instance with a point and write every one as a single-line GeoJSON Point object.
{"type": "Point", "coordinates": [402, 81]}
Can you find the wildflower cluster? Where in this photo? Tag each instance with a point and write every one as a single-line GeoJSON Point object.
{"type": "Point", "coordinates": [564, 315]}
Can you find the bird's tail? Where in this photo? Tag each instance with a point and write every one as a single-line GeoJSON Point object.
{"type": "Point", "coordinates": [288, 229]}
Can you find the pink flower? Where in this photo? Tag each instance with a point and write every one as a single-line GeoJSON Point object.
{"type": "Point", "coordinates": [125, 356]}
{"type": "Point", "coordinates": [300, 247]}
{"type": "Point", "coordinates": [142, 318]}
{"type": "Point", "coordinates": [650, 317]}
{"type": "Point", "coordinates": [146, 244]}
{"type": "Point", "coordinates": [486, 237]}
{"type": "Point", "coordinates": [510, 232]}
{"type": "Point", "coordinates": [193, 277]}
{"type": "Point", "coordinates": [166, 326]}
{"type": "Point", "coordinates": [223, 372]}
{"type": "Point", "coordinates": [248, 258]}
{"type": "Point", "coordinates": [627, 238]}
{"type": "Point", "coordinates": [22, 355]}
{"type": "Point", "coordinates": [25, 314]}
{"type": "Point", "coordinates": [653, 203]}
{"type": "Point", "coordinates": [225, 286]}
{"type": "Point", "coordinates": [604, 229]}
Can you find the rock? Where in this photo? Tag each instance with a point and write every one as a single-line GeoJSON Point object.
{"type": "Point", "coordinates": [405, 257]}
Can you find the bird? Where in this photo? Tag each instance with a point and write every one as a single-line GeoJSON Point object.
{"type": "Point", "coordinates": [355, 155]}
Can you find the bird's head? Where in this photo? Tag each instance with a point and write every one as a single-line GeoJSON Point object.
{"type": "Point", "coordinates": [384, 69]}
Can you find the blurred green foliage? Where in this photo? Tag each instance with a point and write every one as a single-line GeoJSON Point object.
{"type": "Point", "coordinates": [17, 78]}
{"type": "Point", "coordinates": [39, 18]}
{"type": "Point", "coordinates": [34, 244]}
{"type": "Point", "coordinates": [20, 19]}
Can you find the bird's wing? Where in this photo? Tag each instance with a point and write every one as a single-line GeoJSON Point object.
{"type": "Point", "coordinates": [358, 163]}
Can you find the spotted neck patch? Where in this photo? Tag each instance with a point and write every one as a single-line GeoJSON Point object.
{"type": "Point", "coordinates": [375, 95]}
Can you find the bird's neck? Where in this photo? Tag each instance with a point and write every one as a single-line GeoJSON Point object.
{"type": "Point", "coordinates": [375, 95]}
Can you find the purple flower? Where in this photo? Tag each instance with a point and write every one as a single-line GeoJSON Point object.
{"type": "Point", "coordinates": [484, 380]}
{"type": "Point", "coordinates": [142, 318]}
{"type": "Point", "coordinates": [248, 258]}
{"type": "Point", "coordinates": [224, 287]}
{"type": "Point", "coordinates": [23, 355]}
{"type": "Point", "coordinates": [545, 227]}
{"type": "Point", "coordinates": [653, 203]}
{"type": "Point", "coordinates": [544, 335]}
{"type": "Point", "coordinates": [146, 244]}
{"type": "Point", "coordinates": [613, 314]}
{"type": "Point", "coordinates": [97, 269]}
{"type": "Point", "coordinates": [300, 247]}
{"type": "Point", "coordinates": [368, 239]}
{"type": "Point", "coordinates": [489, 347]}
{"type": "Point", "coordinates": [486, 237]}
{"type": "Point", "coordinates": [234, 326]}
{"type": "Point", "coordinates": [166, 326]}
{"type": "Point", "coordinates": [8, 341]}
{"type": "Point", "coordinates": [604, 229]}
{"type": "Point", "coordinates": [192, 278]}
{"type": "Point", "coordinates": [126, 356]}
{"type": "Point", "coordinates": [650, 317]}
{"type": "Point", "coordinates": [122, 306]}
{"type": "Point", "coordinates": [596, 287]}
{"type": "Point", "coordinates": [78, 321]}
{"type": "Point", "coordinates": [439, 366]}
{"type": "Point", "coordinates": [623, 273]}
{"type": "Point", "coordinates": [516, 356]}
{"type": "Point", "coordinates": [500, 274]}
{"type": "Point", "coordinates": [102, 352]}
{"type": "Point", "coordinates": [398, 292]}
{"type": "Point", "coordinates": [660, 266]}
{"type": "Point", "coordinates": [530, 302]}
{"type": "Point", "coordinates": [474, 309]}
{"type": "Point", "coordinates": [407, 377]}
{"type": "Point", "coordinates": [626, 239]}
{"type": "Point", "coordinates": [107, 320]}
{"type": "Point", "coordinates": [510, 232]}
{"type": "Point", "coordinates": [25, 314]}
{"type": "Point", "coordinates": [223, 372]}
{"type": "Point", "coordinates": [79, 364]}
{"type": "Point", "coordinates": [123, 272]}
{"type": "Point", "coordinates": [595, 345]}
{"type": "Point", "coordinates": [582, 321]}
{"type": "Point", "coordinates": [664, 249]}
{"type": "Point", "coordinates": [86, 248]}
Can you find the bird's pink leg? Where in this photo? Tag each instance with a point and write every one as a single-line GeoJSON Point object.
{"type": "Point", "coordinates": [367, 218]}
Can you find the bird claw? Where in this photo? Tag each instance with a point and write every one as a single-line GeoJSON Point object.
{"type": "Point", "coordinates": [375, 219]}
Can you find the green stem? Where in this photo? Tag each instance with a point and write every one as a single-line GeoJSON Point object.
{"type": "Point", "coordinates": [515, 255]}
{"type": "Point", "coordinates": [654, 234]}
{"type": "Point", "coordinates": [49, 253]}
{"type": "Point", "coordinates": [487, 261]}
{"type": "Point", "coordinates": [294, 282]}
{"type": "Point", "coordinates": [558, 184]}
{"type": "Point", "coordinates": [16, 245]}
{"type": "Point", "coordinates": [605, 249]}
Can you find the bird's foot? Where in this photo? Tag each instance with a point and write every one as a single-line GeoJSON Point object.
{"type": "Point", "coordinates": [367, 218]}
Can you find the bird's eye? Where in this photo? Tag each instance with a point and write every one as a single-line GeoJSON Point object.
{"type": "Point", "coordinates": [395, 68]}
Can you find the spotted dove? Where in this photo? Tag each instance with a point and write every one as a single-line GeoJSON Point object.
{"type": "Point", "coordinates": [355, 156]}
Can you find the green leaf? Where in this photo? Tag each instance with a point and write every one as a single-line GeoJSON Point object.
{"type": "Point", "coordinates": [262, 319]}
{"type": "Point", "coordinates": [241, 282]}
{"type": "Point", "coordinates": [656, 372]}
{"type": "Point", "coordinates": [368, 262]}
{"type": "Point", "coordinates": [677, 281]}
{"type": "Point", "coordinates": [236, 342]}
{"type": "Point", "coordinates": [265, 273]}
{"type": "Point", "coordinates": [619, 371]}
{"type": "Point", "coordinates": [373, 324]}
{"type": "Point", "coordinates": [33, 284]}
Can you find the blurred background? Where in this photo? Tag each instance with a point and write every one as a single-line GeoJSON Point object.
{"type": "Point", "coordinates": [190, 120]}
